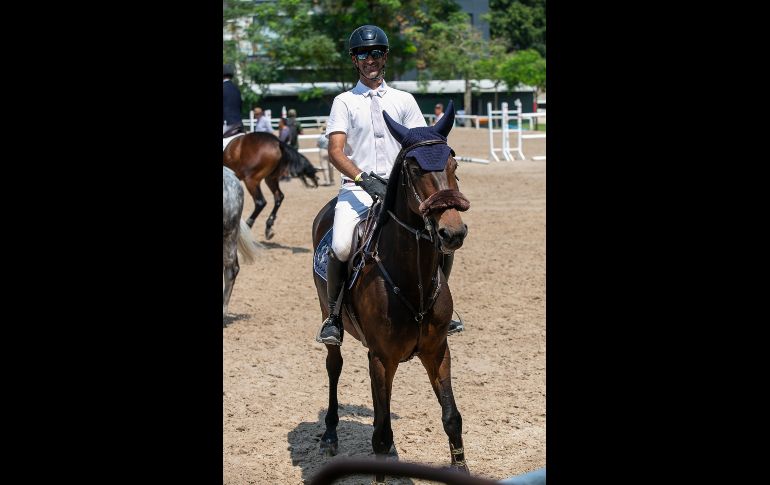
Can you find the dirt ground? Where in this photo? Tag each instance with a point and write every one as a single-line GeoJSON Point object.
{"type": "Point", "coordinates": [274, 377]}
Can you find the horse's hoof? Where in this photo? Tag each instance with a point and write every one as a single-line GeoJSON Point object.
{"type": "Point", "coordinates": [329, 448]}
{"type": "Point", "coordinates": [269, 234]}
{"type": "Point", "coordinates": [461, 468]}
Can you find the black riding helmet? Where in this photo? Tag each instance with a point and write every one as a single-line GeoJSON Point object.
{"type": "Point", "coordinates": [367, 36]}
{"type": "Point", "coordinates": [228, 70]}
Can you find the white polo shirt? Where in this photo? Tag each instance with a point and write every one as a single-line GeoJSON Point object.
{"type": "Point", "coordinates": [351, 114]}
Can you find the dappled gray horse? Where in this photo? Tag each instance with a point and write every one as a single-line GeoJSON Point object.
{"type": "Point", "coordinates": [236, 234]}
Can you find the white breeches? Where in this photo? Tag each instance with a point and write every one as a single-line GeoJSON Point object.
{"type": "Point", "coordinates": [352, 204]}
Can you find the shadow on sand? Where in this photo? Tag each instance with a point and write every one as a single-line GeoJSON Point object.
{"type": "Point", "coordinates": [355, 441]}
{"type": "Point", "coordinates": [293, 249]}
{"type": "Point", "coordinates": [233, 317]}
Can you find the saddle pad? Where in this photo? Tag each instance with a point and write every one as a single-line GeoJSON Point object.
{"type": "Point", "coordinates": [227, 140]}
{"type": "Point", "coordinates": [321, 255]}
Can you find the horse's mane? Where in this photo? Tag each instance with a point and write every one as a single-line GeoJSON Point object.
{"type": "Point", "coordinates": [390, 191]}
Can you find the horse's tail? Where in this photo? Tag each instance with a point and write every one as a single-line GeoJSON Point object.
{"type": "Point", "coordinates": [298, 165]}
{"type": "Point", "coordinates": [246, 245]}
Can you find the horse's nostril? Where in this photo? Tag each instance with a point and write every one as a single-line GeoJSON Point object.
{"type": "Point", "coordinates": [443, 233]}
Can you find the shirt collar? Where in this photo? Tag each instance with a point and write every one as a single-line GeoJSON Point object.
{"type": "Point", "coordinates": [362, 88]}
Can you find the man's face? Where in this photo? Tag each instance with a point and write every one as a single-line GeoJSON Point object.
{"type": "Point", "coordinates": [257, 113]}
{"type": "Point", "coordinates": [371, 66]}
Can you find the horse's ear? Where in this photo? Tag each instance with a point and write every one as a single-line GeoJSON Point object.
{"type": "Point", "coordinates": [445, 124]}
{"type": "Point", "coordinates": [398, 131]}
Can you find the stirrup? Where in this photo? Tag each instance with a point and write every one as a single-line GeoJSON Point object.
{"type": "Point", "coordinates": [328, 341]}
{"type": "Point", "coordinates": [459, 328]}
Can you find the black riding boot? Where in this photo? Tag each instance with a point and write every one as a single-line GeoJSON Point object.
{"type": "Point", "coordinates": [331, 329]}
{"type": "Point", "coordinates": [455, 326]}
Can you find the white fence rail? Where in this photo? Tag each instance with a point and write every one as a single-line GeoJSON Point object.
{"type": "Point", "coordinates": [504, 116]}
{"type": "Point", "coordinates": [501, 118]}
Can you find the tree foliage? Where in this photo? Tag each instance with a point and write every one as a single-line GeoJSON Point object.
{"type": "Point", "coordinates": [307, 40]}
{"type": "Point", "coordinates": [488, 67]}
{"type": "Point", "coordinates": [521, 23]}
{"type": "Point", "coordinates": [524, 67]}
{"type": "Point", "coordinates": [453, 49]}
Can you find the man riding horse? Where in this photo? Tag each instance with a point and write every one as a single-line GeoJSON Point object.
{"type": "Point", "coordinates": [231, 103]}
{"type": "Point", "coordinates": [364, 151]}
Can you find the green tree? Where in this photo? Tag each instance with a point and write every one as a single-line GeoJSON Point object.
{"type": "Point", "coordinates": [233, 12]}
{"type": "Point", "coordinates": [306, 40]}
{"type": "Point", "coordinates": [489, 67]}
{"type": "Point", "coordinates": [525, 67]}
{"type": "Point", "coordinates": [521, 23]}
{"type": "Point", "coordinates": [453, 49]}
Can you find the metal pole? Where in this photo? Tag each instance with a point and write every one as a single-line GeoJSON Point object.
{"type": "Point", "coordinates": [506, 133]}
{"type": "Point", "coordinates": [490, 123]}
{"type": "Point", "coordinates": [519, 123]}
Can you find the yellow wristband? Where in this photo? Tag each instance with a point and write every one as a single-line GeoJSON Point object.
{"type": "Point", "coordinates": [358, 177]}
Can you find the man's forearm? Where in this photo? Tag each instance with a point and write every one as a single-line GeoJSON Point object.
{"type": "Point", "coordinates": [344, 164]}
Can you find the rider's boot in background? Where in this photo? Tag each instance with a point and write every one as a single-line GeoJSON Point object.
{"type": "Point", "coordinates": [455, 326]}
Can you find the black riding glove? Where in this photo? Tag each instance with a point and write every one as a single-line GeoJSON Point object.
{"type": "Point", "coordinates": [373, 185]}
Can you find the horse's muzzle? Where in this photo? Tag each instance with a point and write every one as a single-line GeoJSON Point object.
{"type": "Point", "coordinates": [451, 237]}
{"type": "Point", "coordinates": [450, 228]}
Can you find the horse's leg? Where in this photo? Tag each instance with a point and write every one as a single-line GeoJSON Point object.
{"type": "Point", "coordinates": [333, 369]}
{"type": "Point", "coordinates": [438, 364]}
{"type": "Point", "coordinates": [272, 184]}
{"type": "Point", "coordinates": [231, 268]}
{"type": "Point", "coordinates": [252, 185]}
{"type": "Point", "coordinates": [381, 374]}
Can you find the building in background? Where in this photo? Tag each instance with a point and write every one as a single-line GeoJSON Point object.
{"type": "Point", "coordinates": [475, 9]}
{"type": "Point", "coordinates": [437, 91]}
{"type": "Point", "coordinates": [287, 94]}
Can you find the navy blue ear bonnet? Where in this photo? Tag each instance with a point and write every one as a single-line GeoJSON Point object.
{"type": "Point", "coordinates": [430, 157]}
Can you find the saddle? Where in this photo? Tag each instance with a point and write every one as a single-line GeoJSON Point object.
{"type": "Point", "coordinates": [362, 238]}
{"type": "Point", "coordinates": [234, 129]}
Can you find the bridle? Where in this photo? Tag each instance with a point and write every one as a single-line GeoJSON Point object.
{"type": "Point", "coordinates": [428, 232]}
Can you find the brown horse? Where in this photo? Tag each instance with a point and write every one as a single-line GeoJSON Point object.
{"type": "Point", "coordinates": [256, 156]}
{"type": "Point", "coordinates": [399, 305]}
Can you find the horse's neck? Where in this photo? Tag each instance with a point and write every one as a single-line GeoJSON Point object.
{"type": "Point", "coordinates": [398, 248]}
